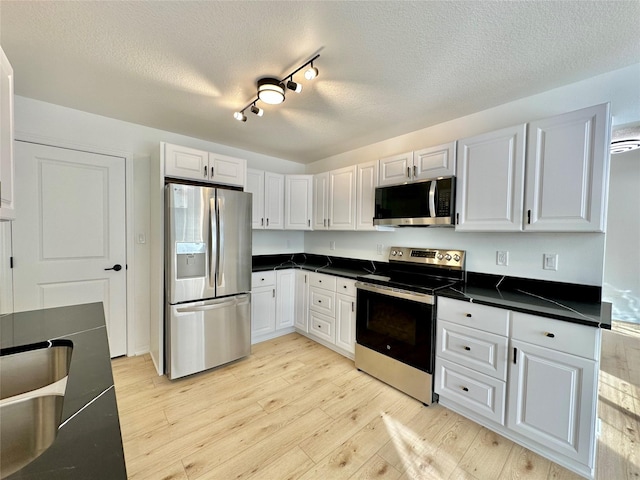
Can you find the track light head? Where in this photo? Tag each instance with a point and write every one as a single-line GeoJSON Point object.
{"type": "Point", "coordinates": [311, 72]}
{"type": "Point", "coordinates": [296, 87]}
{"type": "Point", "coordinates": [240, 116]}
{"type": "Point", "coordinates": [257, 110]}
{"type": "Point", "coordinates": [270, 90]}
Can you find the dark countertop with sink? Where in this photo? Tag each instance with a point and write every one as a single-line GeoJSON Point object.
{"type": "Point", "coordinates": [563, 301]}
{"type": "Point", "coordinates": [89, 441]}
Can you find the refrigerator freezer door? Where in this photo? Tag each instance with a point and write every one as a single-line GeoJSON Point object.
{"type": "Point", "coordinates": [233, 245]}
{"type": "Point", "coordinates": [203, 335]}
{"type": "Point", "coordinates": [187, 239]}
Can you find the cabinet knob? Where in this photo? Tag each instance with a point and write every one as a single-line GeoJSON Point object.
{"type": "Point", "coordinates": [468, 315]}
{"type": "Point", "coordinates": [467, 348]}
{"type": "Point", "coordinates": [549, 334]}
{"type": "Point", "coordinates": [465, 389]}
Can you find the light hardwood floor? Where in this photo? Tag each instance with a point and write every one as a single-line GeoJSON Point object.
{"type": "Point", "coordinates": [296, 410]}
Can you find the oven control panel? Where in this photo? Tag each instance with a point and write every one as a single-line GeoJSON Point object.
{"type": "Point", "coordinates": [428, 256]}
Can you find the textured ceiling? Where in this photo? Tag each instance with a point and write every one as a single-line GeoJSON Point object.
{"type": "Point", "coordinates": [386, 67]}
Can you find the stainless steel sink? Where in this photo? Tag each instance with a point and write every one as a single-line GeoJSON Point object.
{"type": "Point", "coordinates": [23, 369]}
{"type": "Point", "coordinates": [27, 428]}
{"type": "Point", "coordinates": [33, 381]}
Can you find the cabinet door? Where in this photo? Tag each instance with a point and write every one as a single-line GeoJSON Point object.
{"type": "Point", "coordinates": [396, 169]}
{"type": "Point", "coordinates": [552, 400]}
{"type": "Point", "coordinates": [227, 170]}
{"type": "Point", "coordinates": [320, 201]}
{"type": "Point", "coordinates": [298, 202]}
{"type": "Point", "coordinates": [263, 311]}
{"type": "Point", "coordinates": [185, 162]}
{"type": "Point", "coordinates": [366, 195]}
{"type": "Point", "coordinates": [490, 180]}
{"type": "Point", "coordinates": [285, 298]}
{"type": "Point", "coordinates": [255, 186]}
{"type": "Point", "coordinates": [7, 208]}
{"type": "Point", "coordinates": [273, 201]}
{"type": "Point", "coordinates": [346, 322]}
{"type": "Point", "coordinates": [302, 301]}
{"type": "Point", "coordinates": [567, 171]}
{"type": "Point", "coordinates": [342, 199]}
{"type": "Point", "coordinates": [432, 162]}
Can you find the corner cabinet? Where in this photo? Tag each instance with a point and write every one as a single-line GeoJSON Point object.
{"type": "Point", "coordinates": [7, 207]}
{"type": "Point", "coordinates": [193, 164]}
{"type": "Point", "coordinates": [532, 379]}
{"type": "Point", "coordinates": [568, 171]}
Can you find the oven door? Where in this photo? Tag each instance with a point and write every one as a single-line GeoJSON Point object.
{"type": "Point", "coordinates": [397, 324]}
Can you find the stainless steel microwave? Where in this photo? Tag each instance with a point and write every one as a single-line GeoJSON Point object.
{"type": "Point", "coordinates": [425, 203]}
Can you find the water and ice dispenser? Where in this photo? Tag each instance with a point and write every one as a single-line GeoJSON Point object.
{"type": "Point", "coordinates": [191, 260]}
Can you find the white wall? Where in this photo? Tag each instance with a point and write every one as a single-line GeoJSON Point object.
{"type": "Point", "coordinates": [622, 253]}
{"type": "Point", "coordinates": [581, 256]}
{"type": "Point", "coordinates": [56, 125]}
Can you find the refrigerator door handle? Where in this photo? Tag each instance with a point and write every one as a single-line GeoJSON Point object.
{"type": "Point", "coordinates": [208, 306]}
{"type": "Point", "coordinates": [213, 249]}
{"type": "Point", "coordinates": [220, 241]}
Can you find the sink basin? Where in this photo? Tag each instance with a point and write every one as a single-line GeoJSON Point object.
{"type": "Point", "coordinates": [28, 427]}
{"type": "Point", "coordinates": [30, 367]}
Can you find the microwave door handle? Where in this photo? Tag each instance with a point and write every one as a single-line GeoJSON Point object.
{"type": "Point", "coordinates": [432, 198]}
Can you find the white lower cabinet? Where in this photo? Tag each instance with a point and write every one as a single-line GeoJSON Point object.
{"type": "Point", "coordinates": [301, 320]}
{"type": "Point", "coordinates": [332, 312]}
{"type": "Point", "coordinates": [272, 304]}
{"type": "Point", "coordinates": [532, 379]}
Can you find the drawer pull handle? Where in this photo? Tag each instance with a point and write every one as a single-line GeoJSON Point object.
{"type": "Point", "coordinates": [468, 315]}
{"type": "Point", "coordinates": [467, 348]}
{"type": "Point", "coordinates": [319, 301]}
{"type": "Point", "coordinates": [549, 334]}
{"type": "Point", "coordinates": [465, 389]}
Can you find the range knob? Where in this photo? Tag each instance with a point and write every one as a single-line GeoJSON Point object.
{"type": "Point", "coordinates": [440, 256]}
{"type": "Point", "coordinates": [447, 257]}
{"type": "Point", "coordinates": [456, 257]}
{"type": "Point", "coordinates": [399, 253]}
{"type": "Point", "coordinates": [393, 253]}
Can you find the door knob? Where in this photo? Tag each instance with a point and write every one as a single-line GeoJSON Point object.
{"type": "Point", "coordinates": [117, 267]}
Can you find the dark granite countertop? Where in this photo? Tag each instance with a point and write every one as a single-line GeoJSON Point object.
{"type": "Point", "coordinates": [89, 441]}
{"type": "Point", "coordinates": [562, 301]}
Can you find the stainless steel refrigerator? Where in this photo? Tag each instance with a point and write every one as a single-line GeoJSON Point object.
{"type": "Point", "coordinates": [207, 277]}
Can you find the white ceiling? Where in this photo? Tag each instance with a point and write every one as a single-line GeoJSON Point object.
{"type": "Point", "coordinates": [386, 67]}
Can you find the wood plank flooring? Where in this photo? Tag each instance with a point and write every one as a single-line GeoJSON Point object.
{"type": "Point", "coordinates": [297, 410]}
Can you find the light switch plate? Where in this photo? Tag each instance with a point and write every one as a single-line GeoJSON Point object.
{"type": "Point", "coordinates": [550, 261]}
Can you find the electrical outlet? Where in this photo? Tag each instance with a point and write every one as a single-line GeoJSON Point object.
{"type": "Point", "coordinates": [502, 258]}
{"type": "Point", "coordinates": [379, 248]}
{"type": "Point", "coordinates": [332, 245]}
{"type": "Point", "coordinates": [550, 261]}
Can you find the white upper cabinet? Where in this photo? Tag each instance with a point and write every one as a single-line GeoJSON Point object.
{"type": "Point", "coordinates": [7, 208]}
{"type": "Point", "coordinates": [367, 181]}
{"type": "Point", "coordinates": [567, 171]}
{"type": "Point", "coordinates": [298, 202]}
{"type": "Point", "coordinates": [342, 199]}
{"type": "Point", "coordinates": [396, 169]}
{"type": "Point", "coordinates": [227, 170]}
{"type": "Point", "coordinates": [490, 180]}
{"type": "Point", "coordinates": [193, 164]}
{"type": "Point", "coordinates": [267, 205]}
{"type": "Point", "coordinates": [431, 162]}
{"type": "Point", "coordinates": [320, 201]}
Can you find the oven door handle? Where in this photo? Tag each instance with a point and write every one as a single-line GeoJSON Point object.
{"type": "Point", "coordinates": [414, 297]}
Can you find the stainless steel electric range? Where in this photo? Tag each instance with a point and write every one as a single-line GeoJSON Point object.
{"type": "Point", "coordinates": [396, 317]}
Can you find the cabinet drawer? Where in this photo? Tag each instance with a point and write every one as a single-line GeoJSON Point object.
{"type": "Point", "coordinates": [263, 279]}
{"type": "Point", "coordinates": [489, 319]}
{"type": "Point", "coordinates": [320, 280]}
{"type": "Point", "coordinates": [483, 394]}
{"type": "Point", "coordinates": [475, 349]}
{"type": "Point", "coordinates": [322, 326]}
{"type": "Point", "coordinates": [558, 335]}
{"type": "Point", "coordinates": [346, 286]}
{"type": "Point", "coordinates": [322, 301]}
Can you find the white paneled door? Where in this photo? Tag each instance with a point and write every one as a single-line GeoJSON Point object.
{"type": "Point", "coordinates": [69, 233]}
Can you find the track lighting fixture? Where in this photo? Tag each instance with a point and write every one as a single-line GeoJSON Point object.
{"type": "Point", "coordinates": [270, 90]}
